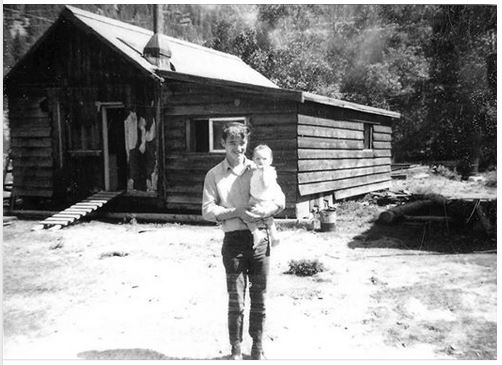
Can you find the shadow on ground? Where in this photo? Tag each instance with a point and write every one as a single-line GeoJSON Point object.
{"type": "Point", "coordinates": [138, 354]}
{"type": "Point", "coordinates": [435, 236]}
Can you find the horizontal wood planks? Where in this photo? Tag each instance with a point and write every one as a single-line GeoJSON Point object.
{"type": "Point", "coordinates": [331, 154]}
{"type": "Point", "coordinates": [246, 106]}
{"type": "Point", "coordinates": [32, 192]}
{"type": "Point", "coordinates": [329, 175]}
{"type": "Point", "coordinates": [345, 163]}
{"type": "Point", "coordinates": [310, 153]}
{"type": "Point", "coordinates": [31, 147]}
{"type": "Point", "coordinates": [335, 185]}
{"type": "Point", "coordinates": [359, 190]}
{"type": "Point", "coordinates": [273, 122]}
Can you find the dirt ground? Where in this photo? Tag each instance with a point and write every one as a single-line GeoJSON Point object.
{"type": "Point", "coordinates": [102, 290]}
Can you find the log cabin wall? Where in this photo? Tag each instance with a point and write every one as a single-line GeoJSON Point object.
{"type": "Point", "coordinates": [333, 161]}
{"type": "Point", "coordinates": [273, 122]}
{"type": "Point", "coordinates": [72, 69]}
{"type": "Point", "coordinates": [30, 143]}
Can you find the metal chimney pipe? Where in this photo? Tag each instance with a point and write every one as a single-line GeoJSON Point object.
{"type": "Point", "coordinates": [157, 18]}
{"type": "Point", "coordinates": [157, 50]}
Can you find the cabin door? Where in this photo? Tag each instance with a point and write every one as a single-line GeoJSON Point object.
{"type": "Point", "coordinates": [114, 150]}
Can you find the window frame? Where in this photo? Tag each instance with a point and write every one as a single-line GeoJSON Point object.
{"type": "Point", "coordinates": [211, 121]}
{"type": "Point", "coordinates": [371, 138]}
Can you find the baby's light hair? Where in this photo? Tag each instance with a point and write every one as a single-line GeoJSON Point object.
{"type": "Point", "coordinates": [264, 147]}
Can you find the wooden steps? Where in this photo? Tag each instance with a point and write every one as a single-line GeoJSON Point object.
{"type": "Point", "coordinates": [79, 210]}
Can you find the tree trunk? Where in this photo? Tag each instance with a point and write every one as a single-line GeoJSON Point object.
{"type": "Point", "coordinates": [476, 150]}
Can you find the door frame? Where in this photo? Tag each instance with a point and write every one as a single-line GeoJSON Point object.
{"type": "Point", "coordinates": [103, 107]}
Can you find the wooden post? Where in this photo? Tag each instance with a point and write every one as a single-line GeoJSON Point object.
{"type": "Point", "coordinates": [159, 189]}
{"type": "Point", "coordinates": [106, 161]}
{"type": "Point", "coordinates": [302, 209]}
{"type": "Point", "coordinates": [60, 132]}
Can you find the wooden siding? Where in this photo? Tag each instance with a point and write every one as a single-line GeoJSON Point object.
{"type": "Point", "coordinates": [74, 69]}
{"type": "Point", "coordinates": [331, 154]}
{"type": "Point", "coordinates": [273, 122]}
{"type": "Point", "coordinates": [31, 146]}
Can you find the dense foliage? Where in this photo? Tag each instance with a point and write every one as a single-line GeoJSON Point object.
{"type": "Point", "coordinates": [436, 64]}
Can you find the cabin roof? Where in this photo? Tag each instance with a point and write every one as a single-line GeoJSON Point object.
{"type": "Point", "coordinates": [186, 57]}
{"type": "Point", "coordinates": [193, 62]}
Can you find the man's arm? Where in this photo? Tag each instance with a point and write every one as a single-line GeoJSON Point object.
{"type": "Point", "coordinates": [211, 210]}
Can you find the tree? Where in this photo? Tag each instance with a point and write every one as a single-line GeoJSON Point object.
{"type": "Point", "coordinates": [461, 104]}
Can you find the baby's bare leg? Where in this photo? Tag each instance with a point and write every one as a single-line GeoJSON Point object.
{"type": "Point", "coordinates": [258, 235]}
{"type": "Point", "coordinates": [272, 231]}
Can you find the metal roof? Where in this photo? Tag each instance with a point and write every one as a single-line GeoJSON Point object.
{"type": "Point", "coordinates": [188, 58]}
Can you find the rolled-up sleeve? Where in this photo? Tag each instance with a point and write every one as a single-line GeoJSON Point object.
{"type": "Point", "coordinates": [211, 207]}
{"type": "Point", "coordinates": [209, 198]}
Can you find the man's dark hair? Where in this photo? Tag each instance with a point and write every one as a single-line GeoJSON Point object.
{"type": "Point", "coordinates": [236, 129]}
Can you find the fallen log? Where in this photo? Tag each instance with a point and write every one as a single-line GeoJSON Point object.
{"type": "Point", "coordinates": [428, 218]}
{"type": "Point", "coordinates": [391, 215]}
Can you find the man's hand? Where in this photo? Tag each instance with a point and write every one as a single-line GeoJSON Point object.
{"type": "Point", "coordinates": [265, 210]}
{"type": "Point", "coordinates": [229, 213]}
{"type": "Point", "coordinates": [260, 211]}
{"type": "Point", "coordinates": [250, 217]}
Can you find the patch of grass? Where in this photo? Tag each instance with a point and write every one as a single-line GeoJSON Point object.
{"type": "Point", "coordinates": [305, 267]}
{"type": "Point", "coordinates": [359, 210]}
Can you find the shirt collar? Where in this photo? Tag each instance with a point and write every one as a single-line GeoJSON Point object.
{"type": "Point", "coordinates": [248, 164]}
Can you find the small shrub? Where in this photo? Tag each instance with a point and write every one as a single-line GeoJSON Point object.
{"type": "Point", "coordinates": [446, 172]}
{"type": "Point", "coordinates": [305, 267]}
{"type": "Point", "coordinates": [491, 179]}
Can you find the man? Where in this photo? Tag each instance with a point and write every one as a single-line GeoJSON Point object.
{"type": "Point", "coordinates": [225, 200]}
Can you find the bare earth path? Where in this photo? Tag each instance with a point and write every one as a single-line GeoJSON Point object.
{"type": "Point", "coordinates": [157, 291]}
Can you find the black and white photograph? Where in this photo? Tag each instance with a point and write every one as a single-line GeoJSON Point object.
{"type": "Point", "coordinates": [303, 181]}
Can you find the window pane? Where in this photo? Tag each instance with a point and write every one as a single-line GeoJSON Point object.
{"type": "Point", "coordinates": [368, 136]}
{"type": "Point", "coordinates": [218, 133]}
{"type": "Point", "coordinates": [199, 136]}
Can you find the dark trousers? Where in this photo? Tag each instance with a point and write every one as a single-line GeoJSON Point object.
{"type": "Point", "coordinates": [242, 264]}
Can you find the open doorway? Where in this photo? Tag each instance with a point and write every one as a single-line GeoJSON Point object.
{"type": "Point", "coordinates": [117, 159]}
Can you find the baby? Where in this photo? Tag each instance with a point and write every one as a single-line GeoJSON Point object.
{"type": "Point", "coordinates": [263, 190]}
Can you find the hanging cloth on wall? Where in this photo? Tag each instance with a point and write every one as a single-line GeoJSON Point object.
{"type": "Point", "coordinates": [131, 132]}
{"type": "Point", "coordinates": [142, 128]}
{"type": "Point", "coordinates": [147, 135]}
{"type": "Point", "coordinates": [151, 158]}
{"type": "Point", "coordinates": [150, 133]}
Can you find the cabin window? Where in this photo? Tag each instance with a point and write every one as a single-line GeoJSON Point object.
{"type": "Point", "coordinates": [204, 135]}
{"type": "Point", "coordinates": [368, 136]}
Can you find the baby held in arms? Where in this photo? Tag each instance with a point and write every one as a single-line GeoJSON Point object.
{"type": "Point", "coordinates": [264, 188]}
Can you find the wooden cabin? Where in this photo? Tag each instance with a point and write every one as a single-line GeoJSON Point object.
{"type": "Point", "coordinates": [88, 112]}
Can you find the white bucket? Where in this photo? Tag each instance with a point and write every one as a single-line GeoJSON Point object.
{"type": "Point", "coordinates": [328, 220]}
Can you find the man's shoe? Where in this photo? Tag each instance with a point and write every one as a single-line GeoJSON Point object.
{"type": "Point", "coordinates": [235, 357]}
{"type": "Point", "coordinates": [236, 353]}
{"type": "Point", "coordinates": [257, 355]}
